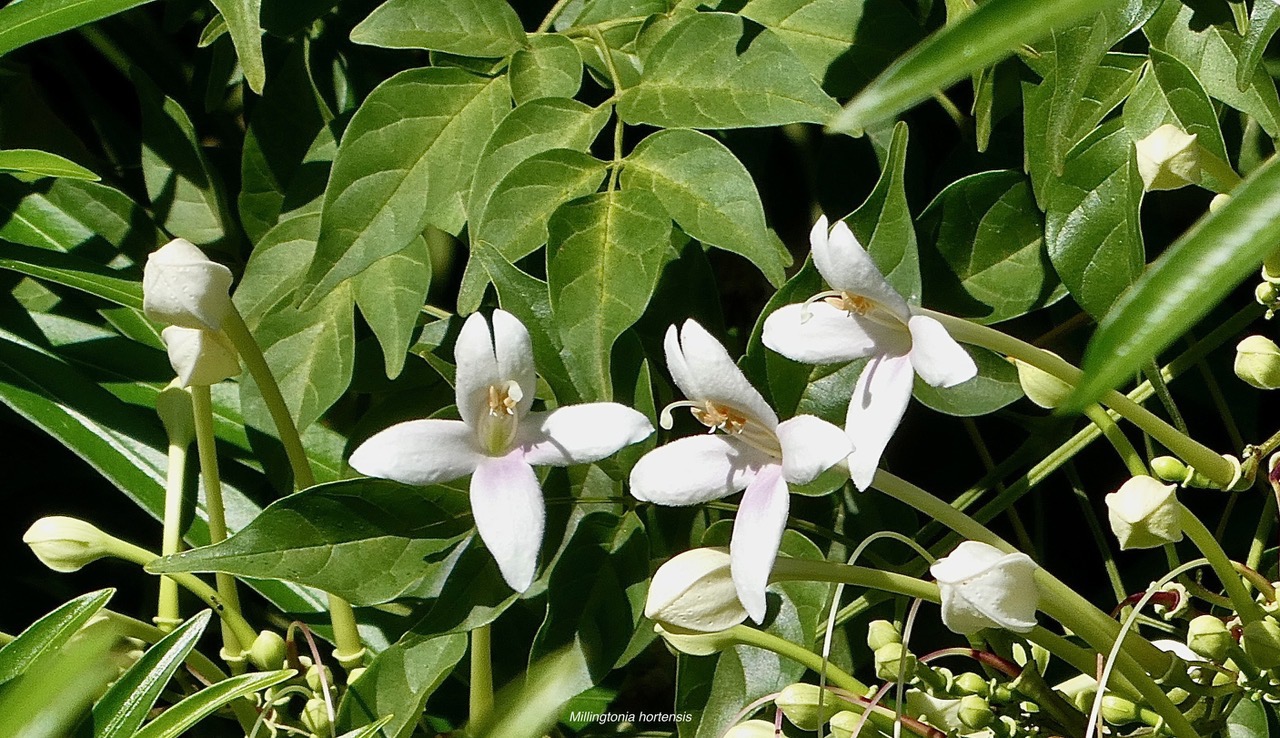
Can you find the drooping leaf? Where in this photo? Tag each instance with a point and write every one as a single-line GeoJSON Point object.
{"type": "Point", "coordinates": [390, 294]}
{"type": "Point", "coordinates": [242, 18]}
{"type": "Point", "coordinates": [46, 635]}
{"type": "Point", "coordinates": [485, 28]}
{"type": "Point", "coordinates": [42, 164]}
{"type": "Point", "coordinates": [405, 161]}
{"type": "Point", "coordinates": [121, 711]}
{"type": "Point", "coordinates": [717, 70]}
{"type": "Point", "coordinates": [994, 30]}
{"type": "Point", "coordinates": [1189, 279]}
{"type": "Point", "coordinates": [31, 20]}
{"type": "Point", "coordinates": [884, 226]}
{"type": "Point", "coordinates": [550, 67]}
{"type": "Point", "coordinates": [178, 719]}
{"type": "Point", "coordinates": [1091, 219]}
{"type": "Point", "coordinates": [708, 193]}
{"type": "Point", "coordinates": [398, 682]}
{"type": "Point", "coordinates": [603, 259]}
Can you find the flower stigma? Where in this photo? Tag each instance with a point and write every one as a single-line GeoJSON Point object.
{"type": "Point", "coordinates": [497, 428]}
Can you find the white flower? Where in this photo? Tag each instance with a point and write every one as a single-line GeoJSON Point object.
{"type": "Point", "coordinates": [200, 357]}
{"type": "Point", "coordinates": [181, 286]}
{"type": "Point", "coordinates": [863, 316]}
{"type": "Point", "coordinates": [695, 591]}
{"type": "Point", "coordinates": [498, 441]}
{"type": "Point", "coordinates": [1168, 158]}
{"type": "Point", "coordinates": [754, 452]}
{"type": "Point", "coordinates": [1145, 513]}
{"type": "Point", "coordinates": [983, 587]}
{"type": "Point", "coordinates": [66, 544]}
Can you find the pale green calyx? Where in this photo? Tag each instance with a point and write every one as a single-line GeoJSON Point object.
{"type": "Point", "coordinates": [694, 643]}
{"type": "Point", "coordinates": [894, 663]}
{"type": "Point", "coordinates": [1168, 158]}
{"type": "Point", "coordinates": [1145, 513]}
{"type": "Point", "coordinates": [881, 633]}
{"type": "Point", "coordinates": [1040, 386]}
{"type": "Point", "coordinates": [315, 717]}
{"type": "Point", "coordinates": [66, 544]}
{"type": "Point", "coordinates": [1258, 362]}
{"type": "Point", "coordinates": [975, 712]}
{"type": "Point", "coordinates": [694, 591]}
{"type": "Point", "coordinates": [268, 651]}
{"type": "Point", "coordinates": [1209, 638]}
{"type": "Point", "coordinates": [799, 702]}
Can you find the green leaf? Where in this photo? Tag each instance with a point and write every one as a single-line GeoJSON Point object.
{"type": "Point", "coordinates": [995, 386]}
{"type": "Point", "coordinates": [990, 247]}
{"type": "Point", "coordinates": [31, 20]}
{"type": "Point", "coordinates": [42, 164]}
{"type": "Point", "coordinates": [332, 535]}
{"type": "Point", "coordinates": [46, 635]}
{"type": "Point", "coordinates": [514, 220]}
{"type": "Point", "coordinates": [1204, 38]}
{"type": "Point", "coordinates": [1191, 277]}
{"type": "Point", "coordinates": [603, 259]}
{"type": "Point", "coordinates": [184, 189]}
{"type": "Point", "coordinates": [717, 70]}
{"type": "Point", "coordinates": [550, 67]}
{"type": "Point", "coordinates": [883, 223]}
{"type": "Point", "coordinates": [994, 30]}
{"type": "Point", "coordinates": [404, 162]}
{"type": "Point", "coordinates": [485, 28]}
{"type": "Point", "coordinates": [1170, 93]}
{"type": "Point", "coordinates": [95, 221]}
{"type": "Point", "coordinates": [708, 193]}
{"type": "Point", "coordinates": [1091, 220]}
{"type": "Point", "coordinates": [390, 294]}
{"type": "Point", "coordinates": [74, 272]}
{"type": "Point", "coordinates": [175, 721]}
{"type": "Point", "coordinates": [1264, 21]}
{"type": "Point", "coordinates": [241, 17]}
{"type": "Point", "coordinates": [123, 708]}
{"type": "Point", "coordinates": [818, 31]}
{"type": "Point", "coordinates": [399, 681]}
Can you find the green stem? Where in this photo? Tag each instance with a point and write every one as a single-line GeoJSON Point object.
{"type": "Point", "coordinates": [1262, 532]}
{"type": "Point", "coordinates": [168, 615]}
{"type": "Point", "coordinates": [1132, 459]}
{"type": "Point", "coordinates": [1188, 449]}
{"type": "Point", "coordinates": [1152, 373]}
{"type": "Point", "coordinates": [481, 675]}
{"type": "Point", "coordinates": [1245, 606]}
{"type": "Point", "coordinates": [202, 409]}
{"type": "Point", "coordinates": [551, 16]}
{"type": "Point", "coordinates": [350, 652]}
{"type": "Point", "coordinates": [1099, 537]}
{"type": "Point", "coordinates": [806, 570]}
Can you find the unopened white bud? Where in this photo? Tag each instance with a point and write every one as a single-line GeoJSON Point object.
{"type": "Point", "coordinates": [1145, 513]}
{"type": "Point", "coordinates": [695, 591]}
{"type": "Point", "coordinates": [181, 286]}
{"type": "Point", "coordinates": [1040, 386]}
{"type": "Point", "coordinates": [200, 357]}
{"type": "Point", "coordinates": [1168, 158]}
{"type": "Point", "coordinates": [1258, 362]}
{"type": "Point", "coordinates": [984, 587]}
{"type": "Point", "coordinates": [66, 544]}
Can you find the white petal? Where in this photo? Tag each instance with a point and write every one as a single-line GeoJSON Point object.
{"type": "Point", "coordinates": [828, 335]}
{"type": "Point", "coordinates": [810, 446]}
{"type": "Point", "coordinates": [419, 452]}
{"type": "Point", "coordinates": [477, 368]}
{"type": "Point", "coordinates": [937, 358]}
{"type": "Point", "coordinates": [181, 286]}
{"type": "Point", "coordinates": [964, 561]}
{"type": "Point", "coordinates": [879, 400]}
{"type": "Point", "coordinates": [847, 266]}
{"type": "Point", "coordinates": [510, 515]}
{"type": "Point", "coordinates": [983, 587]}
{"type": "Point", "coordinates": [514, 351]}
{"type": "Point", "coordinates": [757, 532]}
{"type": "Point", "coordinates": [711, 375]}
{"type": "Point", "coordinates": [579, 434]}
{"type": "Point", "coordinates": [200, 357]}
{"type": "Point", "coordinates": [695, 469]}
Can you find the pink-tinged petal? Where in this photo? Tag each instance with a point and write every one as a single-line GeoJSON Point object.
{"type": "Point", "coordinates": [712, 375]}
{"type": "Point", "coordinates": [514, 351]}
{"type": "Point", "coordinates": [828, 335]}
{"type": "Point", "coordinates": [847, 266]}
{"type": "Point", "coordinates": [419, 452]}
{"type": "Point", "coordinates": [696, 469]}
{"type": "Point", "coordinates": [810, 446]}
{"type": "Point", "coordinates": [757, 532]}
{"type": "Point", "coordinates": [477, 368]}
{"type": "Point", "coordinates": [510, 515]}
{"type": "Point", "coordinates": [579, 434]}
{"type": "Point", "coordinates": [937, 357]}
{"type": "Point", "coordinates": [879, 400]}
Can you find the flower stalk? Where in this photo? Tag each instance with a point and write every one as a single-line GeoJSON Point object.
{"type": "Point", "coordinates": [481, 697]}
{"type": "Point", "coordinates": [167, 614]}
{"type": "Point", "coordinates": [1245, 606]}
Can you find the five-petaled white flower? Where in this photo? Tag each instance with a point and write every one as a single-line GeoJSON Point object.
{"type": "Point", "coordinates": [755, 453]}
{"type": "Point", "coordinates": [984, 587]}
{"type": "Point", "coordinates": [864, 316]}
{"type": "Point", "coordinates": [498, 441]}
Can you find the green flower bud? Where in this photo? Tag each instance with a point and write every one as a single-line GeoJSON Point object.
{"type": "Point", "coordinates": [1258, 362]}
{"type": "Point", "coordinates": [313, 680]}
{"type": "Point", "coordinates": [844, 723]}
{"type": "Point", "coordinates": [1079, 691]}
{"type": "Point", "coordinates": [751, 729]}
{"type": "Point", "coordinates": [692, 642]}
{"type": "Point", "coordinates": [881, 633]}
{"type": "Point", "coordinates": [1168, 158]}
{"type": "Point", "coordinates": [799, 702]}
{"type": "Point", "coordinates": [66, 544]}
{"type": "Point", "coordinates": [1219, 202]}
{"type": "Point", "coordinates": [1040, 386]}
{"type": "Point", "coordinates": [890, 660]}
{"type": "Point", "coordinates": [315, 717]}
{"type": "Point", "coordinates": [173, 405]}
{"type": "Point", "coordinates": [1209, 637]}
{"type": "Point", "coordinates": [971, 683]}
{"type": "Point", "coordinates": [1145, 513]}
{"type": "Point", "coordinates": [975, 713]}
{"type": "Point", "coordinates": [1119, 711]}
{"type": "Point", "coordinates": [1266, 294]}
{"type": "Point", "coordinates": [1169, 469]}
{"type": "Point", "coordinates": [267, 651]}
{"type": "Point", "coordinates": [1261, 642]}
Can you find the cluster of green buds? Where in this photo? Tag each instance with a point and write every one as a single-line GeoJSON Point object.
{"type": "Point", "coordinates": [306, 703]}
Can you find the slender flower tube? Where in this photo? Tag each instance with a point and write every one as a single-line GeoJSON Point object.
{"type": "Point", "coordinates": [863, 316]}
{"type": "Point", "coordinates": [984, 587]}
{"type": "Point", "coordinates": [499, 441]}
{"type": "Point", "coordinates": [753, 452]}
